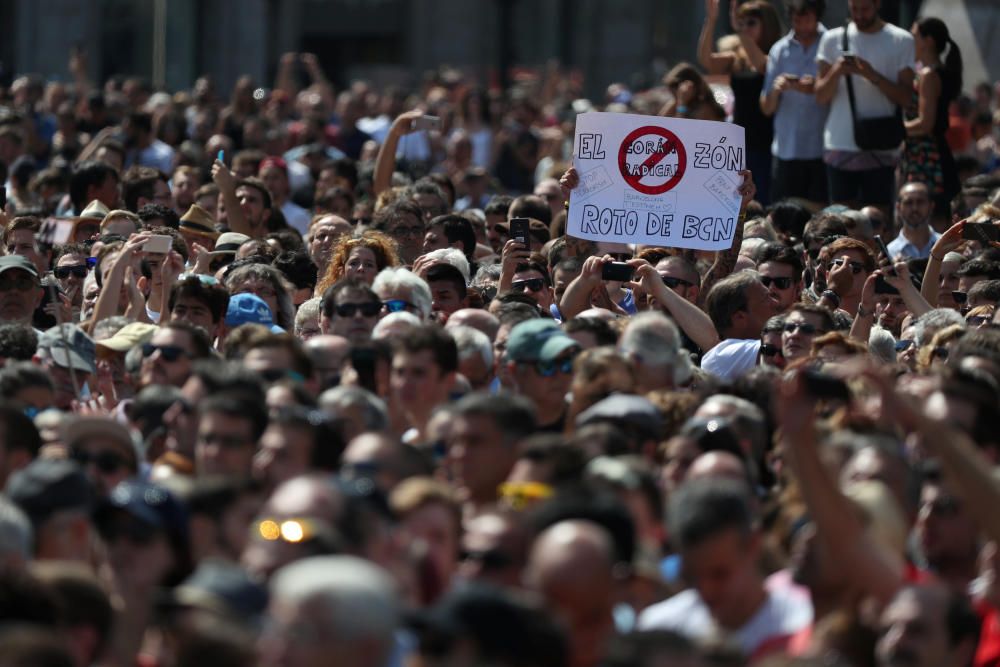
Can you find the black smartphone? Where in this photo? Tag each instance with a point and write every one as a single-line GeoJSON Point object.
{"type": "Point", "coordinates": [984, 232]}
{"type": "Point", "coordinates": [617, 271]}
{"type": "Point", "coordinates": [520, 230]}
{"type": "Point", "coordinates": [825, 386]}
{"type": "Point", "coordinates": [884, 249]}
{"type": "Point", "coordinates": [882, 286]}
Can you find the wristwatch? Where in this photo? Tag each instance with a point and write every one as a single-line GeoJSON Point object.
{"type": "Point", "coordinates": [832, 296]}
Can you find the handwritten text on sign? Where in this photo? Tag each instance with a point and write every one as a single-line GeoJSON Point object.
{"type": "Point", "coordinates": [656, 181]}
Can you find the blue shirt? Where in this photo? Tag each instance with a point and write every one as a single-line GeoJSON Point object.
{"type": "Point", "coordinates": [902, 246]}
{"type": "Point", "coordinates": [799, 119]}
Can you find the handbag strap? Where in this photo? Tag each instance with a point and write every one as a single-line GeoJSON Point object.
{"type": "Point", "coordinates": [844, 47]}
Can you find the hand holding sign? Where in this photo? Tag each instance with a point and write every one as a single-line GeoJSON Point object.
{"type": "Point", "coordinates": [657, 181]}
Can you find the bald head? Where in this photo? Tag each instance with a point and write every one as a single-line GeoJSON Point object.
{"type": "Point", "coordinates": [571, 566]}
{"type": "Point", "coordinates": [717, 465]}
{"type": "Point", "coordinates": [327, 350]}
{"type": "Point", "coordinates": [480, 320]}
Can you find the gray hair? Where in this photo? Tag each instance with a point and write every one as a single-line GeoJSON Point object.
{"type": "Point", "coordinates": [109, 326]}
{"type": "Point", "coordinates": [451, 256]}
{"type": "Point", "coordinates": [487, 274]}
{"type": "Point", "coordinates": [374, 412]}
{"type": "Point", "coordinates": [285, 317]}
{"type": "Point", "coordinates": [652, 337]}
{"type": "Point", "coordinates": [933, 321]}
{"type": "Point", "coordinates": [16, 534]}
{"type": "Point", "coordinates": [471, 341]}
{"type": "Point", "coordinates": [759, 228]}
{"type": "Point", "coordinates": [751, 246]}
{"type": "Point", "coordinates": [882, 345]}
{"type": "Point", "coordinates": [395, 323]}
{"type": "Point", "coordinates": [358, 597]}
{"type": "Point", "coordinates": [308, 310]}
{"type": "Point", "coordinates": [396, 277]}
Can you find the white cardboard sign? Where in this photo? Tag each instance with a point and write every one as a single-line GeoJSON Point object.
{"type": "Point", "coordinates": [668, 182]}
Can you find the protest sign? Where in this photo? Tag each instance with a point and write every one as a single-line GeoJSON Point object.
{"type": "Point", "coordinates": [657, 181]}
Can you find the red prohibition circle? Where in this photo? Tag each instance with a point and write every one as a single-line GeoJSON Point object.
{"type": "Point", "coordinates": [672, 142]}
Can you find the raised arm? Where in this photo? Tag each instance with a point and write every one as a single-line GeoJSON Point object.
{"type": "Point", "coordinates": [576, 298]}
{"type": "Point", "coordinates": [235, 218]}
{"type": "Point", "coordinates": [950, 240]}
{"type": "Point", "coordinates": [385, 163]}
{"type": "Point", "coordinates": [692, 320]}
{"type": "Point", "coordinates": [714, 63]}
{"type": "Point", "coordinates": [107, 300]}
{"type": "Point", "coordinates": [725, 261]}
{"type": "Point", "coordinates": [836, 518]}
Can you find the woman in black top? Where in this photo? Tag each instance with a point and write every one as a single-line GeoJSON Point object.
{"type": "Point", "coordinates": [926, 156]}
{"type": "Point", "coordinates": [757, 25]}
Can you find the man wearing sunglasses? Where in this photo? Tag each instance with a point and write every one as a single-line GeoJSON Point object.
{"type": "Point", "coordinates": [539, 361]}
{"type": "Point", "coordinates": [532, 280]}
{"type": "Point", "coordinates": [850, 262]}
{"type": "Point", "coordinates": [802, 325]}
{"type": "Point", "coordinates": [350, 309]}
{"type": "Point", "coordinates": [169, 354]}
{"type": "Point", "coordinates": [681, 276]}
{"type": "Point", "coordinates": [71, 268]}
{"type": "Point", "coordinates": [780, 270]}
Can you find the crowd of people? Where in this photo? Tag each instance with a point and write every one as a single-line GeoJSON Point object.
{"type": "Point", "coordinates": [280, 386]}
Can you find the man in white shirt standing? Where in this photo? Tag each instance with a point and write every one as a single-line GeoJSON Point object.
{"type": "Point", "coordinates": [913, 210]}
{"type": "Point", "coordinates": [712, 523]}
{"type": "Point", "coordinates": [879, 59]}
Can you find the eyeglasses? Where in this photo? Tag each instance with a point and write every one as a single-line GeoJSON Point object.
{"type": "Point", "coordinates": [368, 309]}
{"type": "Point", "coordinates": [520, 495]}
{"type": "Point", "coordinates": [169, 353]}
{"type": "Point", "coordinates": [397, 305]}
{"type": "Point", "coordinates": [549, 368]}
{"type": "Point", "coordinates": [960, 297]}
{"type": "Point", "coordinates": [407, 231]}
{"type": "Point", "coordinates": [940, 353]}
{"type": "Point", "coordinates": [64, 272]}
{"type": "Point", "coordinates": [768, 350]}
{"type": "Point", "coordinates": [856, 267]}
{"type": "Point", "coordinates": [804, 327]}
{"type": "Point", "coordinates": [780, 283]}
{"type": "Point", "coordinates": [106, 461]}
{"type": "Point", "coordinates": [814, 251]}
{"type": "Point", "coordinates": [977, 320]}
{"type": "Point", "coordinates": [531, 285]}
{"type": "Point", "coordinates": [19, 284]}
{"type": "Point", "coordinates": [673, 283]}
{"type": "Point", "coordinates": [904, 344]}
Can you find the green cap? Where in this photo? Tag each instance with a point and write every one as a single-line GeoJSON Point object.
{"type": "Point", "coordinates": [537, 340]}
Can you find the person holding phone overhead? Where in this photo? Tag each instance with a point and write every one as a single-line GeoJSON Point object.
{"type": "Point", "coordinates": [926, 156]}
{"type": "Point", "coordinates": [865, 74]}
{"type": "Point", "coordinates": [758, 27]}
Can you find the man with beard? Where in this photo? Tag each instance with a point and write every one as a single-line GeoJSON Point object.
{"type": "Point", "coordinates": [927, 625]}
{"type": "Point", "coordinates": [913, 210]}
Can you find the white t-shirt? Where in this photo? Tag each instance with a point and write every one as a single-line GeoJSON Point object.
{"type": "Point", "coordinates": [781, 615]}
{"type": "Point", "coordinates": [890, 51]}
{"type": "Point", "coordinates": [732, 358]}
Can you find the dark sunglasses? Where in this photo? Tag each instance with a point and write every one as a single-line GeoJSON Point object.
{"type": "Point", "coordinates": [977, 320]}
{"type": "Point", "coordinates": [804, 327]}
{"type": "Point", "coordinates": [169, 353]}
{"type": "Point", "coordinates": [64, 272]}
{"type": "Point", "coordinates": [822, 240]}
{"type": "Point", "coordinates": [768, 350]}
{"type": "Point", "coordinates": [106, 461]}
{"type": "Point", "coordinates": [533, 285]}
{"type": "Point", "coordinates": [780, 283]}
{"type": "Point", "coordinates": [856, 267]}
{"type": "Point", "coordinates": [903, 345]}
{"type": "Point", "coordinates": [549, 368]}
{"type": "Point", "coordinates": [369, 309]}
{"type": "Point", "coordinates": [397, 305]}
{"type": "Point", "coordinates": [673, 283]}
{"type": "Point", "coordinates": [960, 297]}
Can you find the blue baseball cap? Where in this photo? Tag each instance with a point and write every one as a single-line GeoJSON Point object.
{"type": "Point", "coordinates": [249, 308]}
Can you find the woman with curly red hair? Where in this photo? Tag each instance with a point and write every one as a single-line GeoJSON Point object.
{"type": "Point", "coordinates": [360, 257]}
